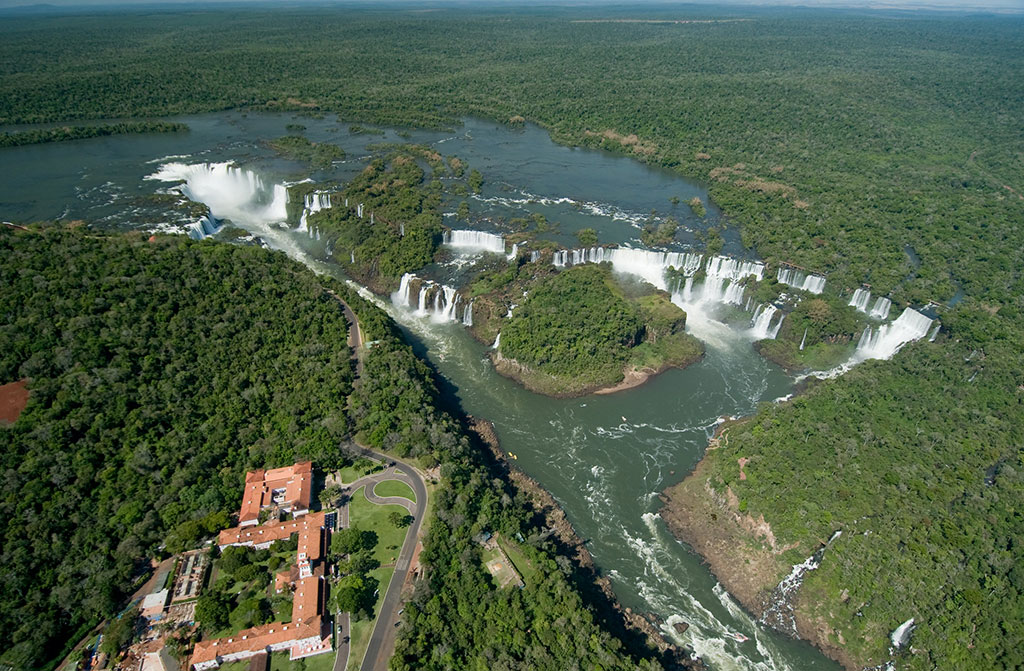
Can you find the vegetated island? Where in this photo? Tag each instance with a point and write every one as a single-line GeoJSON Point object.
{"type": "Point", "coordinates": [319, 154]}
{"type": "Point", "coordinates": [64, 133]}
{"type": "Point", "coordinates": [581, 330]}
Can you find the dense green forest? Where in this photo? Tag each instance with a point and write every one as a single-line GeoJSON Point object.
{"type": "Point", "coordinates": [62, 133]}
{"type": "Point", "coordinates": [919, 462]}
{"type": "Point", "coordinates": [320, 155]}
{"type": "Point", "coordinates": [577, 330]}
{"type": "Point", "coordinates": [159, 371]}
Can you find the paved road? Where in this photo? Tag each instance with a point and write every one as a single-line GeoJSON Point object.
{"type": "Point", "coordinates": [382, 641]}
{"type": "Point", "coordinates": [341, 661]}
{"type": "Point", "coordinates": [355, 333]}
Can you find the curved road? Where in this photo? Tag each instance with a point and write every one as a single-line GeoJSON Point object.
{"type": "Point", "coordinates": [382, 640]}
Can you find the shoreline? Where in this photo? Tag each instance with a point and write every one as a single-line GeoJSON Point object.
{"type": "Point", "coordinates": [633, 377]}
{"type": "Point", "coordinates": [740, 551]}
{"type": "Point", "coordinates": [544, 504]}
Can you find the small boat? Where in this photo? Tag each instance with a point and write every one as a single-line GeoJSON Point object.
{"type": "Point", "coordinates": [623, 419]}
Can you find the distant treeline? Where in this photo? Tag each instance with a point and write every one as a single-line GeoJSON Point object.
{"type": "Point", "coordinates": [63, 133]}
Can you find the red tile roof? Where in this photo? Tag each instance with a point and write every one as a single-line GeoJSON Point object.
{"type": "Point", "coordinates": [295, 480]}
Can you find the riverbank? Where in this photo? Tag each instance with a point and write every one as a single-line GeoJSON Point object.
{"type": "Point", "coordinates": [740, 550]}
{"type": "Point", "coordinates": [634, 625]}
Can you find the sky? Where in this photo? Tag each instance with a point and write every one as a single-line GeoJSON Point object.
{"type": "Point", "coordinates": [1002, 6]}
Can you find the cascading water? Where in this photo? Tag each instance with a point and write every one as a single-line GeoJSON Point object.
{"type": "Point", "coordinates": [901, 635]}
{"type": "Point", "coordinates": [860, 300]}
{"type": "Point", "coordinates": [514, 253]}
{"type": "Point", "coordinates": [475, 241]}
{"type": "Point", "coordinates": [643, 263]}
{"type": "Point", "coordinates": [313, 202]}
{"type": "Point", "coordinates": [761, 324]}
{"type": "Point", "coordinates": [881, 308]}
{"type": "Point", "coordinates": [534, 256]}
{"type": "Point", "coordinates": [885, 341]}
{"type": "Point", "coordinates": [803, 340]}
{"type": "Point", "coordinates": [203, 228]}
{"type": "Point", "coordinates": [798, 279]}
{"type": "Point", "coordinates": [231, 193]}
{"type": "Point", "coordinates": [429, 299]}
{"type": "Point", "coordinates": [778, 614]}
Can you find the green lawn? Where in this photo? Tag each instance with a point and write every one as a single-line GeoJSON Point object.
{"type": "Point", "coordinates": [372, 517]}
{"type": "Point", "coordinates": [242, 665]}
{"type": "Point", "coordinates": [359, 636]}
{"type": "Point", "coordinates": [279, 662]}
{"type": "Point", "coordinates": [395, 488]}
{"type": "Point", "coordinates": [361, 467]}
{"type": "Point", "coordinates": [523, 565]}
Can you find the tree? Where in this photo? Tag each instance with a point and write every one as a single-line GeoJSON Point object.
{"type": "Point", "coordinates": [119, 632]}
{"type": "Point", "coordinates": [234, 558]}
{"type": "Point", "coordinates": [331, 496]}
{"type": "Point", "coordinates": [251, 612]}
{"type": "Point", "coordinates": [212, 611]}
{"type": "Point", "coordinates": [353, 593]}
{"type": "Point", "coordinates": [348, 541]}
{"type": "Point", "coordinates": [587, 237]}
{"type": "Point", "coordinates": [400, 520]}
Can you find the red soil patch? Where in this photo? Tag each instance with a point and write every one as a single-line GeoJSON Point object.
{"type": "Point", "coordinates": [13, 398]}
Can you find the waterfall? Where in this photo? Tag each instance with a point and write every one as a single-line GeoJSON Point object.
{"type": "Point", "coordinates": [860, 300]}
{"type": "Point", "coordinates": [313, 202]}
{"type": "Point", "coordinates": [203, 228]}
{"type": "Point", "coordinates": [901, 635]}
{"type": "Point", "coordinates": [359, 210]}
{"type": "Point", "coordinates": [734, 269]}
{"type": "Point", "coordinates": [798, 279]}
{"type": "Point", "coordinates": [779, 612]}
{"type": "Point", "coordinates": [497, 341]}
{"type": "Point", "coordinates": [761, 324]}
{"type": "Point", "coordinates": [803, 340]}
{"type": "Point", "coordinates": [889, 338]}
{"type": "Point", "coordinates": [514, 253]}
{"type": "Point", "coordinates": [429, 299]}
{"type": "Point", "coordinates": [475, 241]}
{"type": "Point", "coordinates": [934, 333]}
{"type": "Point", "coordinates": [643, 263]}
{"type": "Point", "coordinates": [881, 309]}
{"type": "Point", "coordinates": [721, 284]}
{"type": "Point", "coordinates": [534, 256]}
{"type": "Point", "coordinates": [230, 193]}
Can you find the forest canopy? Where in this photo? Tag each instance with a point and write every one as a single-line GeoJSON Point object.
{"type": "Point", "coordinates": [159, 372]}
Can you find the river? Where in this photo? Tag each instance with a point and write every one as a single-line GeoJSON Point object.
{"type": "Point", "coordinates": [604, 458]}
